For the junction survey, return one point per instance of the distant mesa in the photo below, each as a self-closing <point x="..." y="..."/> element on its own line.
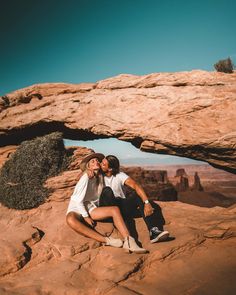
<point x="181" y="181"/>
<point x="159" y="187"/>
<point x="181" y="172"/>
<point x="155" y="183"/>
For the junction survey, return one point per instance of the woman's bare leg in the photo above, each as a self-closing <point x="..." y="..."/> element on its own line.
<point x="79" y="227"/>
<point x="114" y="212"/>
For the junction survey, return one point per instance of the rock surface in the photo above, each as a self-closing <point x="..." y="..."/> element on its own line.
<point x="41" y="255"/>
<point x="5" y="153"/>
<point x="190" y="114"/>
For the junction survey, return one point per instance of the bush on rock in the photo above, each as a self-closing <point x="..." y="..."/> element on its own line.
<point x="224" y="65"/>
<point x="23" y="175"/>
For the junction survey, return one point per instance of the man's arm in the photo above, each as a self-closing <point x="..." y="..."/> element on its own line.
<point x="148" y="210"/>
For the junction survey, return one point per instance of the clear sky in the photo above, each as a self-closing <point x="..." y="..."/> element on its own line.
<point x="128" y="154"/>
<point x="78" y="41"/>
<point x="88" y="40"/>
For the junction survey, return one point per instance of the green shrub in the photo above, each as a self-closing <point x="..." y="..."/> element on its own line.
<point x="23" y="175"/>
<point x="224" y="65"/>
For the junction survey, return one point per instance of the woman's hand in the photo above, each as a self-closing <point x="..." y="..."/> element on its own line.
<point x="148" y="210"/>
<point x="90" y="221"/>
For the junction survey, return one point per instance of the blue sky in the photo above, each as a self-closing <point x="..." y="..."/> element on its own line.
<point x="78" y="41"/>
<point x="128" y="154"/>
<point x="85" y="41"/>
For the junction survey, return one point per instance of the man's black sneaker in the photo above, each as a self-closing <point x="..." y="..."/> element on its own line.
<point x="157" y="235"/>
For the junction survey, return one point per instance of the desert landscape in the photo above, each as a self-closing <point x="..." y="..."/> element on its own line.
<point x="152" y="83"/>
<point x="41" y="255"/>
<point x="215" y="187"/>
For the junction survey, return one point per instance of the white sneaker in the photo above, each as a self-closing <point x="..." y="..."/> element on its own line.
<point x="131" y="246"/>
<point x="157" y="235"/>
<point x="113" y="242"/>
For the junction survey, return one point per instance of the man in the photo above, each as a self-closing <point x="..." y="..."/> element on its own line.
<point x="116" y="180"/>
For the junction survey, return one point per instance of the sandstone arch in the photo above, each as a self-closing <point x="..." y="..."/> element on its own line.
<point x="190" y="114"/>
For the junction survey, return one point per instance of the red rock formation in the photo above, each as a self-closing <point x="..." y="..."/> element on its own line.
<point x="78" y="154"/>
<point x="181" y="180"/>
<point x="181" y="172"/>
<point x="5" y="153"/>
<point x="197" y="183"/>
<point x="190" y="114"/>
<point x="182" y="184"/>
<point x="40" y="254"/>
<point x="154" y="182"/>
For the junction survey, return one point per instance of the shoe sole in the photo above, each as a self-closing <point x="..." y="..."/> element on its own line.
<point x="115" y="246"/>
<point x="162" y="237"/>
<point x="137" y="251"/>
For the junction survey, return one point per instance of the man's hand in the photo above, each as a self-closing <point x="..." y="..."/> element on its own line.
<point x="90" y="221"/>
<point x="148" y="210"/>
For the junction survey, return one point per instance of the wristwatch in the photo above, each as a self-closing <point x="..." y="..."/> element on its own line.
<point x="146" y="202"/>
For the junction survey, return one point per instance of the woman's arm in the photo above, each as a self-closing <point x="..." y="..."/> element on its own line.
<point x="79" y="194"/>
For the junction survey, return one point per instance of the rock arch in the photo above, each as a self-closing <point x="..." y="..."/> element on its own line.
<point x="190" y="114"/>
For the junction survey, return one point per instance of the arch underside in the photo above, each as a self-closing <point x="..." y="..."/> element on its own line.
<point x="217" y="157"/>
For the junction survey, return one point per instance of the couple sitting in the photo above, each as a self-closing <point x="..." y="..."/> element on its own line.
<point x="99" y="195"/>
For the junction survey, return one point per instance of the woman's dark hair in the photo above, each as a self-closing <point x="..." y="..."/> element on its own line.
<point x="114" y="164"/>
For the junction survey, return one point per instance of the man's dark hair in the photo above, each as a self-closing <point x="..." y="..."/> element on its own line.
<point x="114" y="164"/>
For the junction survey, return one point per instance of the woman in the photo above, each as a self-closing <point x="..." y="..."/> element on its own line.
<point x="84" y="206"/>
